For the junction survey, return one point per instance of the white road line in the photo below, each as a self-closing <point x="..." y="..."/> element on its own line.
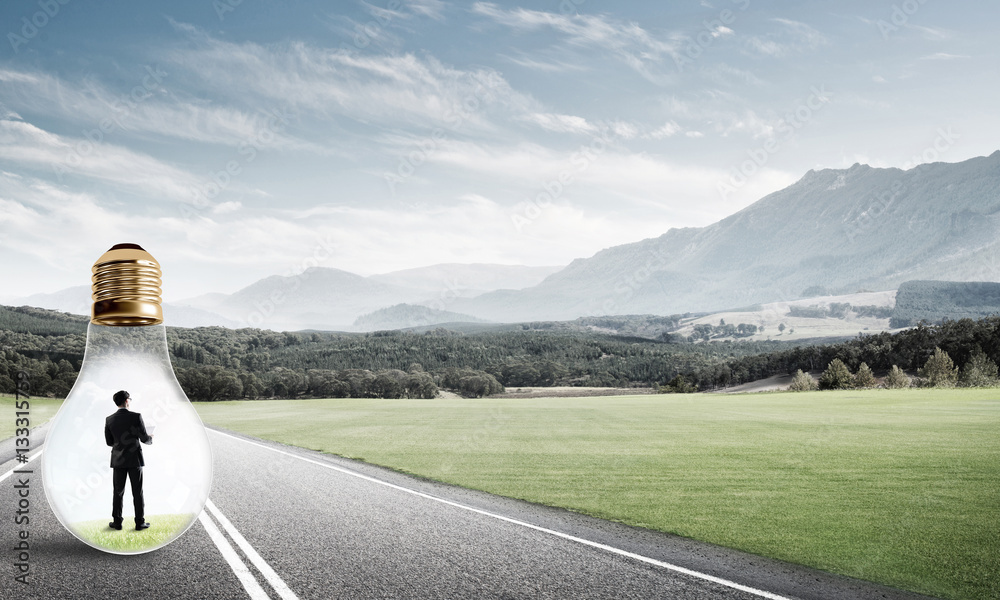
<point x="566" y="536"/>
<point x="241" y="571"/>
<point x="20" y="465"/>
<point x="265" y="569"/>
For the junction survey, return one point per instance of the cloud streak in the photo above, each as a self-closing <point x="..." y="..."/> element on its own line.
<point x="628" y="42"/>
<point x="390" y="89"/>
<point x="59" y="156"/>
<point x="792" y="37"/>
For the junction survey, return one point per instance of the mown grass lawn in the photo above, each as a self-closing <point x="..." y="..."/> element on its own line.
<point x="900" y="487"/>
<point x="40" y="409"/>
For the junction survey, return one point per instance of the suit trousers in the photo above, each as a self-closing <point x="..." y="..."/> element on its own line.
<point x="134" y="475"/>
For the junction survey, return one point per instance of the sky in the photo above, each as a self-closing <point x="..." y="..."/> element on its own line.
<point x="237" y="139"/>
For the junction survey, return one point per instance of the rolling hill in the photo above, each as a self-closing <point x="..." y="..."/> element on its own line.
<point x="403" y="316"/>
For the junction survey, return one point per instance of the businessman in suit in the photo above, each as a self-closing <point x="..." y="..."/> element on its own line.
<point x="123" y="431"/>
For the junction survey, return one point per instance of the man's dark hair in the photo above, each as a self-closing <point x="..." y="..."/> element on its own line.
<point x="121" y="397"/>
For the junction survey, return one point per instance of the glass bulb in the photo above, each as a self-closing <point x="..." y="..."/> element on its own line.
<point x="126" y="350"/>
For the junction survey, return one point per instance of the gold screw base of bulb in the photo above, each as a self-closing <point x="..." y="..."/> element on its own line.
<point x="126" y="288"/>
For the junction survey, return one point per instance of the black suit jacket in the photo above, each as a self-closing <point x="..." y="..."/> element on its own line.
<point x="123" y="431"/>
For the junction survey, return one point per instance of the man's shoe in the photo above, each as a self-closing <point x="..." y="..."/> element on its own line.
<point x="141" y="526"/>
<point x="114" y="525"/>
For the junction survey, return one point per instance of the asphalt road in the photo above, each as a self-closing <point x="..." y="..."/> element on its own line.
<point x="289" y="523"/>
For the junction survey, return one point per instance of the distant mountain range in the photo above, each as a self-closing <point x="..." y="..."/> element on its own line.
<point x="844" y="230"/>
<point x="323" y="298"/>
<point x="837" y="230"/>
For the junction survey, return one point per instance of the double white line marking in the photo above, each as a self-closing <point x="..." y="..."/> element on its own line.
<point x="240" y="569"/>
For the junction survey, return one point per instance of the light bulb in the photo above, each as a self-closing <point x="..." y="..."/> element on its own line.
<point x="126" y="350"/>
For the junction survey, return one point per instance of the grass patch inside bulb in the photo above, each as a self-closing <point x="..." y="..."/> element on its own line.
<point x="129" y="541"/>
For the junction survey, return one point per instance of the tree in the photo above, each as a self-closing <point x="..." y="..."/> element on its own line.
<point x="359" y="382"/>
<point x="836" y="377"/>
<point x="519" y="374"/>
<point x="251" y="385"/>
<point x="549" y="372"/>
<point x="980" y="371"/>
<point x="420" y="385"/>
<point x="802" y="382"/>
<point x="864" y="378"/>
<point x="678" y="385"/>
<point x="940" y="370"/>
<point x="390" y="383"/>
<point x="896" y="378"/>
<point x="839" y="310"/>
<point x="781" y="327"/>
<point x="479" y="385"/>
<point x="210" y="383"/>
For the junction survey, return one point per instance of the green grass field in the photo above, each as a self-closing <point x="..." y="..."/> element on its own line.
<point x="128" y="540"/>
<point x="41" y="409"/>
<point x="900" y="487"/>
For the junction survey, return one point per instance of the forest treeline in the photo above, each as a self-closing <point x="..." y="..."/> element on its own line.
<point x="963" y="340"/>
<point x="840" y="310"/>
<point x="214" y="363"/>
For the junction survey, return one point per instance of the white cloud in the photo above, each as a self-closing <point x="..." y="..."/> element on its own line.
<point x="561" y="123"/>
<point x="392" y="90"/>
<point x="931" y="33"/>
<point x="624" y="129"/>
<point x="668" y="129"/>
<point x="694" y="134"/>
<point x="227" y="207"/>
<point x="944" y="56"/>
<point x="803" y="34"/>
<point x="682" y="195"/>
<point x="553" y="66"/>
<point x="427" y="8"/>
<point x="57" y="232"/>
<point x="748" y="122"/>
<point x="766" y="46"/>
<point x="627" y="41"/>
<point x="724" y="74"/>
<point x="793" y="37"/>
<point x="8" y="76"/>
<point x="145" y="107"/>
<point x="475" y="228"/>
<point x="30" y="146"/>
